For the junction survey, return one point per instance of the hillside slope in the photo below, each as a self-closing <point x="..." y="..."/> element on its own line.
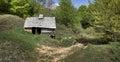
<point x="9" y="22"/>
<point x="16" y="45"/>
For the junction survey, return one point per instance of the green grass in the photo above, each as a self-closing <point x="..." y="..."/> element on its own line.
<point x="21" y="45"/>
<point x="17" y="47"/>
<point x="96" y="53"/>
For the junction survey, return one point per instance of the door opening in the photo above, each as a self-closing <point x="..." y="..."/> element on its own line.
<point x="38" y="30"/>
<point x="33" y="30"/>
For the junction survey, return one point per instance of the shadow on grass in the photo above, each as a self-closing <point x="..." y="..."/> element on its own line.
<point x="93" y="41"/>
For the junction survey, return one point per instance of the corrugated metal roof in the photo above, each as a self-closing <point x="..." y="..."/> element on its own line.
<point x="46" y="22"/>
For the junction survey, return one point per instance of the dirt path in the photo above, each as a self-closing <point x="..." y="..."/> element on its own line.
<point x="54" y="54"/>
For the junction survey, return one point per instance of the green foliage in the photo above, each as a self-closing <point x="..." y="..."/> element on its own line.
<point x="35" y="7"/>
<point x="4" y="6"/>
<point x="20" y="8"/>
<point x="66" y="12"/>
<point x="106" y="14"/>
<point x="84" y="16"/>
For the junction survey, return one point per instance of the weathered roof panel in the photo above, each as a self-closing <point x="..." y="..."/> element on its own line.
<point x="46" y="22"/>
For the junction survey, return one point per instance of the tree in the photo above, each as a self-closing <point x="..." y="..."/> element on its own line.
<point x="5" y="6"/>
<point x="66" y="12"/>
<point x="84" y="16"/>
<point x="25" y="8"/>
<point x="107" y="18"/>
<point x="20" y="8"/>
<point x="36" y="7"/>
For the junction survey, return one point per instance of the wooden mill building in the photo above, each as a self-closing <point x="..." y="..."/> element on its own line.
<point x="40" y="25"/>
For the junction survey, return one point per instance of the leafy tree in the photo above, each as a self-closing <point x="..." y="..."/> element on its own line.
<point x="107" y="18"/>
<point x="35" y="7"/>
<point x="84" y="16"/>
<point x="66" y="12"/>
<point x="24" y="8"/>
<point x="5" y="5"/>
<point x="20" y="8"/>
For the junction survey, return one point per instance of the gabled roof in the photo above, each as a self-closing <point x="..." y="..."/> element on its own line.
<point x="46" y="22"/>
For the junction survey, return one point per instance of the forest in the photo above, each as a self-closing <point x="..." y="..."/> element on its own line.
<point x="96" y="28"/>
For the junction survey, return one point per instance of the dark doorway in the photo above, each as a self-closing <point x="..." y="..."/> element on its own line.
<point x="33" y="30"/>
<point x="38" y="30"/>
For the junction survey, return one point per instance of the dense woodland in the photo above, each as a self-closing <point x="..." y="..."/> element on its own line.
<point x="98" y="24"/>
